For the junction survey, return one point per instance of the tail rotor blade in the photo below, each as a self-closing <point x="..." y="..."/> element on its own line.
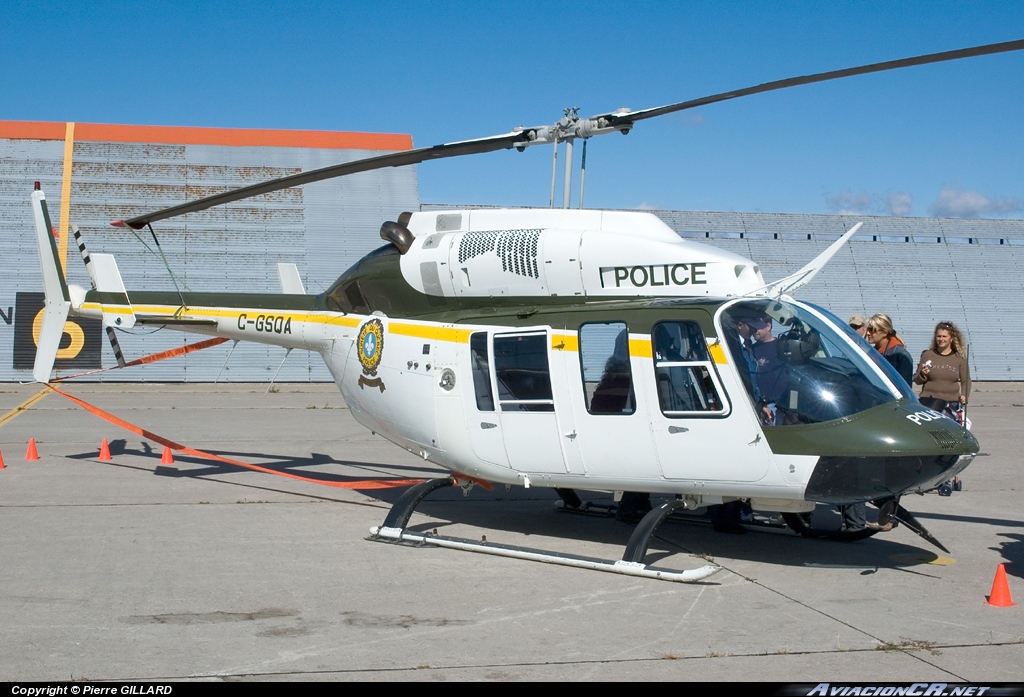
<point x="112" y="338"/>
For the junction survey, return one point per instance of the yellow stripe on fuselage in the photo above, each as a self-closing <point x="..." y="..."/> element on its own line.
<point x="717" y="354"/>
<point x="641" y="348"/>
<point x="565" y="342"/>
<point x="639" y="345"/>
<point x="434" y="332"/>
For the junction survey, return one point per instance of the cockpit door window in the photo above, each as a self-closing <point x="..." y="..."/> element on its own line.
<point x="685" y="375"/>
<point x="521" y="372"/>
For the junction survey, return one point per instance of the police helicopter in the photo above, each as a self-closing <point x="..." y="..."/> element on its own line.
<point x="576" y="350"/>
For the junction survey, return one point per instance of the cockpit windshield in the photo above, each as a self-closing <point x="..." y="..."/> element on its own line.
<point x="796" y="367"/>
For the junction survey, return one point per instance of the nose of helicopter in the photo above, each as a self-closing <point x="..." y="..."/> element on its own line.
<point x="887" y="451"/>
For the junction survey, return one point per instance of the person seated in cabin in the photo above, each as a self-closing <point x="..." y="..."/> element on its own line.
<point x="680" y="389"/>
<point x="614" y="393"/>
<point x="772" y="378"/>
<point x="741" y="345"/>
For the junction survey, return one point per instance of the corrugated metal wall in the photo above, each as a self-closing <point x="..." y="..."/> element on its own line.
<point x="919" y="271"/>
<point x="323" y="228"/>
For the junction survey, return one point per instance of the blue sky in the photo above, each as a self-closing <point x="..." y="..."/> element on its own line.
<point x="932" y="140"/>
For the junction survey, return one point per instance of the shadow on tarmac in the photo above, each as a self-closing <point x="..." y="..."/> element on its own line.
<point x="532" y="512"/>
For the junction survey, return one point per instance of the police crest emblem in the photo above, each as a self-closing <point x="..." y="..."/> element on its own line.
<point x="370" y="345"/>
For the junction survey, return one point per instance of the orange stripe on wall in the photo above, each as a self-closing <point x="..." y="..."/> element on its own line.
<point x="32" y="130"/>
<point x="191" y="135"/>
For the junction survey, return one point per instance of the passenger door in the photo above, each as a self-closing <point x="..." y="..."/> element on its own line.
<point x="484" y="422"/>
<point x="526" y="404"/>
<point x="609" y="412"/>
<point x="698" y="434"/>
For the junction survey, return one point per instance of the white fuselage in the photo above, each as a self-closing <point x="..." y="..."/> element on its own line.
<point x="420" y="392"/>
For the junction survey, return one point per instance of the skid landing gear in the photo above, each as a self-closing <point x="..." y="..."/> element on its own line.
<point x="631" y="564"/>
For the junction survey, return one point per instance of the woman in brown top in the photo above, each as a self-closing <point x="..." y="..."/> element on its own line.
<point x="943" y="370"/>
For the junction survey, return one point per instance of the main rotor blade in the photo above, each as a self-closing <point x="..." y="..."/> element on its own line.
<point x="397" y="159"/>
<point x="988" y="49"/>
<point x="521" y="138"/>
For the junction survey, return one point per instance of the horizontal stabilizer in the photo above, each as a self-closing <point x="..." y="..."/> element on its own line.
<point x="117" y="309"/>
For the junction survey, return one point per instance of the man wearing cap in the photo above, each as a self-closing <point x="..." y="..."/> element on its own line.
<point x="772" y="380"/>
<point x="859" y="324"/>
<point x="746" y="348"/>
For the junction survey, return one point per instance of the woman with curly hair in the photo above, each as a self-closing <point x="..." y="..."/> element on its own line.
<point x="883" y="337"/>
<point x="943" y="369"/>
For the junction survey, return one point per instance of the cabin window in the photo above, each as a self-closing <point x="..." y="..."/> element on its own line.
<point x="685" y="375"/>
<point x="604" y="361"/>
<point x="521" y="372"/>
<point x="348" y="298"/>
<point x="481" y="371"/>
<point x="798" y="369"/>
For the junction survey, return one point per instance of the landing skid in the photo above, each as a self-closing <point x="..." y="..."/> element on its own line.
<point x="631" y="564"/>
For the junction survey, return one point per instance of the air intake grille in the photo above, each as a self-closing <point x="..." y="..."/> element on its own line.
<point x="945" y="440"/>
<point x="517" y="249"/>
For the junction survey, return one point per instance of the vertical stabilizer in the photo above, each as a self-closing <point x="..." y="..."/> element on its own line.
<point x="58" y="299"/>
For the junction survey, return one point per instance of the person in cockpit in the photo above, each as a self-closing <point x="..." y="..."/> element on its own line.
<point x="772" y="378"/>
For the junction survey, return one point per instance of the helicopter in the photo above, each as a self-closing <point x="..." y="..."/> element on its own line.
<point x="574" y="350"/>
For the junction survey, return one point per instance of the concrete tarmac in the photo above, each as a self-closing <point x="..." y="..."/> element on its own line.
<point x="126" y="570"/>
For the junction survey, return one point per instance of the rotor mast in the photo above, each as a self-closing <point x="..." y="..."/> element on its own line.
<point x="567" y="130"/>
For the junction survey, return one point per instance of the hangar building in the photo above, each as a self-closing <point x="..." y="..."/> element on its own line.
<point x="111" y="172"/>
<point x="918" y="270"/>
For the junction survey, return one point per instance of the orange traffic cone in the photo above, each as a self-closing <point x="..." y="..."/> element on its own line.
<point x="1" y="461"/>
<point x="31" y="453"/>
<point x="1000" y="596"/>
<point x="105" y="451"/>
<point x="168" y="458"/>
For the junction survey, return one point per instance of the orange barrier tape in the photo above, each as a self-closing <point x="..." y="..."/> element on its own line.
<point x="121" y="423"/>
<point x="180" y="351"/>
<point x="154" y="357"/>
